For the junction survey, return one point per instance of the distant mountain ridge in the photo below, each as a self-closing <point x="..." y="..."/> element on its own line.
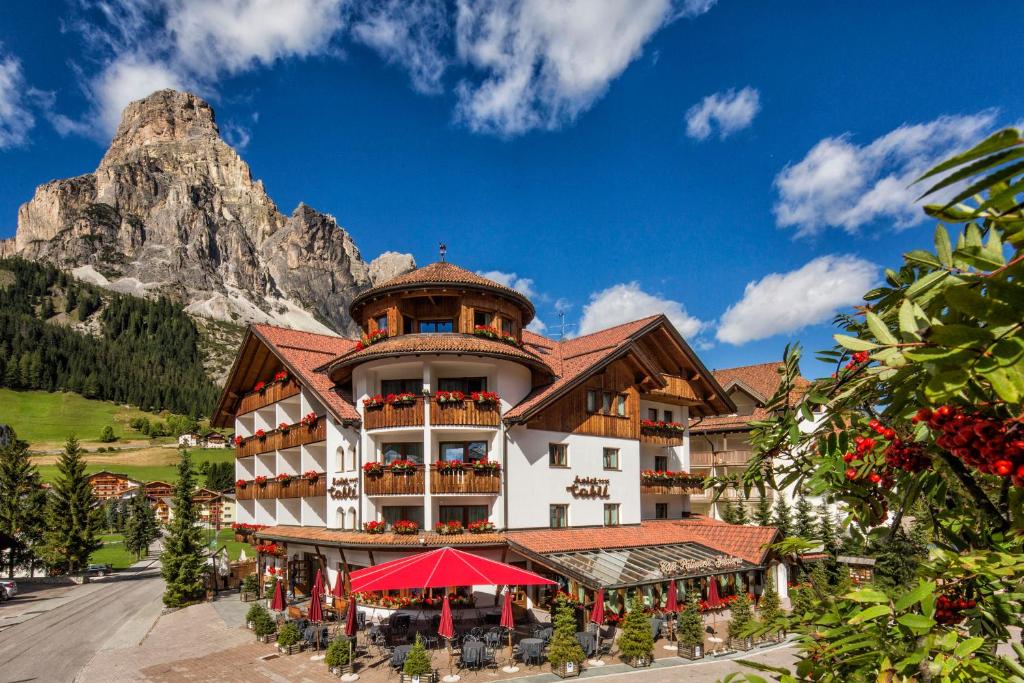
<point x="173" y="210"/>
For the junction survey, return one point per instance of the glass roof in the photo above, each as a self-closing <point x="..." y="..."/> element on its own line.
<point x="621" y="567"/>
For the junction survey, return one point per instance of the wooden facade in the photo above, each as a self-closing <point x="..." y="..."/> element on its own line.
<point x="466" y="482"/>
<point x="660" y="437"/>
<point x="721" y="458"/>
<point x="390" y="483"/>
<point x="570" y="414"/>
<point x="386" y="416"/>
<point x="296" y="488"/>
<point x="650" y="487"/>
<point x="404" y="310"/>
<point x="278" y="391"/>
<point x="106" y="485"/>
<point x="276" y="439"/>
<point x="468" y="414"/>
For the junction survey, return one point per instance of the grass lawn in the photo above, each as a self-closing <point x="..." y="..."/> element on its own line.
<point x="226" y="537"/>
<point x="113" y="552"/>
<point x="167" y="471"/>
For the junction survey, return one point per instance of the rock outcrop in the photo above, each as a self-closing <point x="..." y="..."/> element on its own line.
<point x="173" y="209"/>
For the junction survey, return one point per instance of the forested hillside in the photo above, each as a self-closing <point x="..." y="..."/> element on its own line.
<point x="59" y="333"/>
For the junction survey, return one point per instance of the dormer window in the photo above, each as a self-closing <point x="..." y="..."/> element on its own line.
<point x="435" y="326"/>
<point x="382" y="322"/>
<point x="483" y="318"/>
<point x="506" y="327"/>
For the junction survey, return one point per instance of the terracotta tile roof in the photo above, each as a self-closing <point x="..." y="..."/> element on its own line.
<point x="745" y="542"/>
<point x="761" y="381"/>
<point x="306" y="351"/>
<point x="321" y="535"/>
<point x="441" y="343"/>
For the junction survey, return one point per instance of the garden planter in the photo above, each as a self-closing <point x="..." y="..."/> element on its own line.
<point x="421" y="678"/>
<point x="690" y="651"/>
<point x="290" y="649"/>
<point x="248" y="596"/>
<point x="269" y="638"/>
<point x="743" y="644"/>
<point x="344" y="669"/>
<point x="566" y="670"/>
<point x="639" y="662"/>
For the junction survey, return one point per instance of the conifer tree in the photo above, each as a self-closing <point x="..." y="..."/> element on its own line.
<point x="689" y="626"/>
<point x="417" y="661"/>
<point x="770" y="608"/>
<point x="741" y="615"/>
<point x="563" y="647"/>
<point x="782" y="519"/>
<point x="183" y="567"/>
<point x="819" y="582"/>
<point x="636" y="640"/>
<point x="141" y="528"/>
<point x="21" y="498"/>
<point x="73" y="521"/>
<point x="804" y="526"/>
<point x="763" y="512"/>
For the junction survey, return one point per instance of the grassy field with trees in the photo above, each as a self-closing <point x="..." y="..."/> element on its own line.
<point x="167" y="470"/>
<point x="43" y="417"/>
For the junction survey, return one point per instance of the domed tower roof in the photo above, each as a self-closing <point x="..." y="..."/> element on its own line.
<point x="442" y="275"/>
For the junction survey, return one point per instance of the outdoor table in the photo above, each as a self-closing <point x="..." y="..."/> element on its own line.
<point x="587" y="641"/>
<point x="473" y="654"/>
<point x="399" y="655"/>
<point x="532" y="650"/>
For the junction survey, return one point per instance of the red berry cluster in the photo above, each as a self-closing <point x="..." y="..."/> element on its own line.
<point x="863" y="446"/>
<point x="990" y="445"/>
<point x="949" y="608"/>
<point x="858" y="358"/>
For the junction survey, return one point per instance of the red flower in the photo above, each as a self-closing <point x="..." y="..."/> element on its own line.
<point x="260" y="434"/>
<point x="310" y="475"/>
<point x="260" y="480"/>
<point x="240" y="484"/>
<point x="281" y="376"/>
<point x="284" y="426"/>
<point x="258" y="387"/>
<point x="238" y="440"/>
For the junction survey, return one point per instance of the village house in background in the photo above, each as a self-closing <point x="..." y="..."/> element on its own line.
<point x="189" y="440"/>
<point x="450" y="423"/>
<point x="106" y="485"/>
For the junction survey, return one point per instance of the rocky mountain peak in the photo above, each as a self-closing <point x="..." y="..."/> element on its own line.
<point x="166" y="116"/>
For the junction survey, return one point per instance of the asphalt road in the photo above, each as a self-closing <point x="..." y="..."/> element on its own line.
<point x="56" y="644"/>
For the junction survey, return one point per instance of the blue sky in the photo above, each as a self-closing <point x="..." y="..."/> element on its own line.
<point x="740" y="165"/>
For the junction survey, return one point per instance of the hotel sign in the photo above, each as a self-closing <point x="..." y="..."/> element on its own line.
<point x="677" y="567"/>
<point x="589" y="487"/>
<point x="342" y="488"/>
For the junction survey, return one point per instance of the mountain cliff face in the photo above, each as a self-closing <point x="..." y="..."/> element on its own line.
<point x="173" y="209"/>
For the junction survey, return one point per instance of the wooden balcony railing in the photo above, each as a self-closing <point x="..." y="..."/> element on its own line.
<point x="679" y="486"/>
<point x="721" y="458"/>
<point x="388" y="415"/>
<point x="467" y="481"/>
<point x="277" y="439"/>
<point x="296" y="488"/>
<point x="660" y="437"/>
<point x="277" y="391"/>
<point x="465" y="414"/>
<point x="389" y="483"/>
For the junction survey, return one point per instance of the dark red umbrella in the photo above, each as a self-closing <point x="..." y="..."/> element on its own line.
<point x="672" y="605"/>
<point x="507" y="620"/>
<point x="316" y="612"/>
<point x="339" y="587"/>
<point x="714" y="601"/>
<point x="350" y="618"/>
<point x="446" y="629"/>
<point x="597" y="614"/>
<point x="277" y="604"/>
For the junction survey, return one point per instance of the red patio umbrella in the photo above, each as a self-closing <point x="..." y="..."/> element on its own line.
<point x="350" y="618"/>
<point x="446" y="629"/>
<point x="714" y="601"/>
<point x="316" y="612"/>
<point x="277" y="604"/>
<point x="672" y="604"/>
<point x="508" y="621"/>
<point x="597" y="613"/>
<point x="339" y="587"/>
<point x="439" y="569"/>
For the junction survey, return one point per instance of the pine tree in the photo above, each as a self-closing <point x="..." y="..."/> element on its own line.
<point x="740" y="515"/>
<point x="804" y="519"/>
<point x="141" y="528"/>
<point x="819" y="582"/>
<point x="183" y="567"/>
<point x="897" y="559"/>
<point x="563" y="647"/>
<point x="21" y="497"/>
<point x="801" y="599"/>
<point x="770" y="608"/>
<point x="636" y="640"/>
<point x="73" y="520"/>
<point x="741" y="615"/>
<point x="782" y="519"/>
<point x="827" y="530"/>
<point x="417" y="661"/>
<point x="689" y="626"/>
<point x="220" y="476"/>
<point x="763" y="512"/>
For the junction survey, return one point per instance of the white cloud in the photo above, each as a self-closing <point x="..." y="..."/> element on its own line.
<point x="236" y="135"/>
<point x="841" y="184"/>
<point x="537" y="325"/>
<point x="523" y="285"/>
<point x="730" y="111"/>
<point x="16" y="119"/>
<point x="785" y="302"/>
<point x="546" y="62"/>
<point x="626" y="302"/>
<point x="409" y="33"/>
<point x="125" y="80"/>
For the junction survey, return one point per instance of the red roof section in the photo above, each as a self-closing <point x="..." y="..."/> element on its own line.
<point x="763" y="379"/>
<point x="441" y="343"/>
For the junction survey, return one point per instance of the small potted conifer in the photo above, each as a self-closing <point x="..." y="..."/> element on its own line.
<point x="417" y="668"/>
<point x="564" y="652"/>
<point x="740" y="623"/>
<point x="770" y="611"/>
<point x="252" y="614"/>
<point x="250" y="588"/>
<point x="690" y="630"/>
<point x="289" y="640"/>
<point x="263" y="624"/>
<point x="636" y="642"/>
<point x="338" y="657"/>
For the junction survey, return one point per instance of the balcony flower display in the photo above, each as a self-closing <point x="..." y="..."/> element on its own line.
<point x="270" y="549"/>
<point x="403" y="467"/>
<point x="284" y="478"/>
<point x="485" y="398"/>
<point x="260" y="480"/>
<point x="481" y="526"/>
<point x="406" y="398"/>
<point x="374" y="401"/>
<point x="373" y="469"/>
<point x="662" y="426"/>
<point x="311" y="475"/>
<point x="449" y="397"/>
<point x="452" y="528"/>
<point x="260" y="434"/>
<point x="284" y="427"/>
<point x="375" y="527"/>
<point x="449" y="466"/>
<point x="239" y="440"/>
<point x="405" y="527"/>
<point x="241" y="484"/>
<point x="371" y="339"/>
<point x="259" y="387"/>
<point x="245" y="529"/>
<point x="309" y="420"/>
<point x="491" y="333"/>
<point x="668" y="477"/>
<point x="281" y="376"/>
<point x="486" y="466"/>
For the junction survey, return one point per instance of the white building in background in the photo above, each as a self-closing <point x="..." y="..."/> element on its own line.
<point x="450" y="424"/>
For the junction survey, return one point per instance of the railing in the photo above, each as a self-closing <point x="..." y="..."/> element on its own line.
<point x="277" y="439"/>
<point x="390" y="415"/>
<point x="720" y="458"/>
<point x="389" y="483"/>
<point x="278" y="391"/>
<point x="465" y="481"/>
<point x="687" y="486"/>
<point x="660" y="437"/>
<point x="465" y="414"/>
<point x="729" y="494"/>
<point x="298" y="487"/>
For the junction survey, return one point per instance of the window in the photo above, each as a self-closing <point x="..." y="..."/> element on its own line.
<point x="401" y="386"/>
<point x="661" y="463"/>
<point x="408" y="325"/>
<point x="559" y="516"/>
<point x="620" y="406"/>
<point x="464" y="451"/>
<point x="591" y="401"/>
<point x="432" y="326"/>
<point x="382" y="322"/>
<point x="611" y="514"/>
<point x="403" y="451"/>
<point x="652" y="414"/>
<point x="482" y="318"/>
<point x="394" y="513"/>
<point x="668" y="416"/>
<point x="611" y="458"/>
<point x="466" y="385"/>
<point x="462" y="513"/>
<point x="606" y="403"/>
<point x="506" y="326"/>
<point x="558" y="455"/>
<point x="661" y="510"/>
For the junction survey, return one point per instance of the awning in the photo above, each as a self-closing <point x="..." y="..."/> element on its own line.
<point x="623" y="567"/>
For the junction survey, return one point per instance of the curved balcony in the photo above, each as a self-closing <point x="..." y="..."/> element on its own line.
<point x="279" y="439"/>
<point x="390" y="483"/>
<point x="467" y="481"/>
<point x="298" y="487"/>
<point x="392" y="415"/>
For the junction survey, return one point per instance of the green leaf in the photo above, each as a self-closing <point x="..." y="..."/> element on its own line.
<point x="1007" y="382"/>
<point x="872" y="612"/>
<point x="988" y="181"/>
<point x="968" y="646"/>
<point x="959" y="335"/>
<point x="907" y="599"/>
<point x="908" y="323"/>
<point x="854" y="343"/>
<point x="918" y="623"/>
<point x="993" y="143"/>
<point x="867" y="595"/>
<point x="879" y="329"/>
<point x="926" y="283"/>
<point x="976" y="168"/>
<point x="970" y="302"/>
<point x="943" y="247"/>
<point x="923" y="257"/>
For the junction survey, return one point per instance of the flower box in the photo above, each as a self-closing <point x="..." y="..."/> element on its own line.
<point x="405" y="528"/>
<point x="743" y="644"/>
<point x="308" y="420"/>
<point x="402" y="467"/>
<point x="486" y="467"/>
<point x="419" y="678"/>
<point x="567" y="669"/>
<point x="375" y="527"/>
<point x="450" y="397"/>
<point x="374" y="402"/>
<point x="403" y="399"/>
<point x="639" y="662"/>
<point x="260" y="480"/>
<point x="485" y="398"/>
<point x="269" y="638"/>
<point x="373" y="469"/>
<point x="291" y="649"/>
<point x="241" y="483"/>
<point x="284" y="479"/>
<point x="260" y="434"/>
<point x="311" y="475"/>
<point x="690" y="651"/>
<point x="492" y="333"/>
<point x="259" y="387"/>
<point x="248" y="596"/>
<point x="481" y="526"/>
<point x="452" y="528"/>
<point x="449" y="466"/>
<point x="664" y="427"/>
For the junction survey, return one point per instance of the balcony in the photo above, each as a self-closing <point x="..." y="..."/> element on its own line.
<point x="467" y="481"/>
<point x="394" y="415"/>
<point x="660" y="436"/>
<point x="279" y="439"/>
<point x="296" y="488"/>
<point x="681" y="484"/>
<point x="720" y="458"/>
<point x="388" y="483"/>
<point x="278" y="391"/>
<point x="465" y="414"/>
<point x="731" y="494"/>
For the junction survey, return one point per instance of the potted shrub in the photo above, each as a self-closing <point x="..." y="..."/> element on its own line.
<point x="252" y="614"/>
<point x="770" y="611"/>
<point x="338" y="657"/>
<point x="636" y="644"/>
<point x="263" y="625"/>
<point x="417" y="667"/>
<point x="740" y="623"/>
<point x="250" y="588"/>
<point x="564" y="653"/>
<point x="690" y="630"/>
<point x="289" y="640"/>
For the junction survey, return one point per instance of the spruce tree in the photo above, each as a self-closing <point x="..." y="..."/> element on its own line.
<point x="770" y="608"/>
<point x="782" y="518"/>
<point x="183" y="566"/>
<point x="141" y="528"/>
<point x="763" y="512"/>
<point x="819" y="582"/>
<point x="741" y="615"/>
<point x="804" y="520"/>
<point x="21" y="498"/>
<point x="417" y="661"/>
<point x="740" y="515"/>
<point x="563" y="647"/>
<point x="73" y="521"/>
<point x="689" y="626"/>
<point x="636" y="640"/>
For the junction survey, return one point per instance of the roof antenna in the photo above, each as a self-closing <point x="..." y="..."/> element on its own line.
<point x="443" y="249"/>
<point x="562" y="325"/>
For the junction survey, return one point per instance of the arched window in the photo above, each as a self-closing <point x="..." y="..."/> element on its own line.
<point x="352" y="523"/>
<point x="352" y="458"/>
<point x="339" y="519"/>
